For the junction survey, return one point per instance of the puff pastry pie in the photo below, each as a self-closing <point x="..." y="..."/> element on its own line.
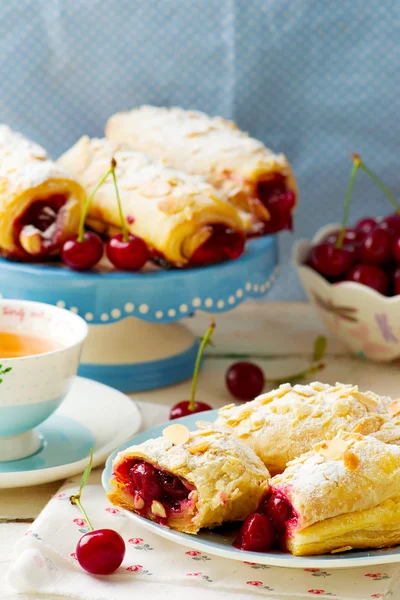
<point x="182" y="219"/>
<point x="187" y="481"/>
<point x="343" y="494"/>
<point x="282" y="424"/>
<point x="40" y="203"/>
<point x="247" y="173"/>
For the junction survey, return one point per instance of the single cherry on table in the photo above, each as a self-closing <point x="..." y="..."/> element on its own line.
<point x="101" y="551"/>
<point x="245" y="380"/>
<point x="192" y="406"/>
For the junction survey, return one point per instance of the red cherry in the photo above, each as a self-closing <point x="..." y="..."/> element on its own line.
<point x="83" y="255"/>
<point x="279" y="201"/>
<point x="256" y="534"/>
<point x="145" y="481"/>
<point x="393" y="222"/>
<point x="371" y="276"/>
<point x="100" y="552"/>
<point x="352" y="237"/>
<point x="332" y="261"/>
<point x="396" y="278"/>
<point x="376" y="249"/>
<point x="172" y="487"/>
<point x="366" y="225"/>
<point x="279" y="511"/>
<point x="223" y="244"/>
<point x="245" y="380"/>
<point x="396" y="250"/>
<point x="129" y="255"/>
<point x="182" y="409"/>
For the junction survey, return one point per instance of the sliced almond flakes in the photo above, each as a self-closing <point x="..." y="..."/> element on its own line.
<point x="199" y="448"/>
<point x="332" y="450"/>
<point x="176" y="434"/>
<point x="394" y="407"/>
<point x="351" y="461"/>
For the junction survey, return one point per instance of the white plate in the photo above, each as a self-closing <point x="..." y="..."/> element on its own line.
<point x="221" y="545"/>
<point x="93" y="415"/>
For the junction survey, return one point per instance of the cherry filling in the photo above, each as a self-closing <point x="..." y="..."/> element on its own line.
<point x="156" y="494"/>
<point x="279" y="201"/>
<point x="267" y="527"/>
<point x="39" y="230"/>
<point x="223" y="244"/>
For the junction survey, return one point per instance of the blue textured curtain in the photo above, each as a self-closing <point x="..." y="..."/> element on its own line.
<point x="314" y="79"/>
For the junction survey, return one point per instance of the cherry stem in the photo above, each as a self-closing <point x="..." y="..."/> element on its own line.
<point x="349" y="193"/>
<point x="77" y="500"/>
<point x="381" y="185"/>
<point x="121" y="216"/>
<point x="81" y="231"/>
<point x="300" y="375"/>
<point x="203" y="344"/>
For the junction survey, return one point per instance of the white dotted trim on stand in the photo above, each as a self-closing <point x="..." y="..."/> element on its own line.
<point x="184" y="309"/>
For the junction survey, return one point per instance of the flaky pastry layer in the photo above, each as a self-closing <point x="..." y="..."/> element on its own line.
<point x="213" y="147"/>
<point x="284" y="423"/>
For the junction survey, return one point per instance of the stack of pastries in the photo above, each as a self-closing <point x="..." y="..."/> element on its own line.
<point x="333" y="451"/>
<point x="192" y="187"/>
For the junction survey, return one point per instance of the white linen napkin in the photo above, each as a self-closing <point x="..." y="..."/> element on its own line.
<point x="45" y="564"/>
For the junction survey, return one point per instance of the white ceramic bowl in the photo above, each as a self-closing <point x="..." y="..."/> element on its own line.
<point x="36" y="385"/>
<point x="365" y="320"/>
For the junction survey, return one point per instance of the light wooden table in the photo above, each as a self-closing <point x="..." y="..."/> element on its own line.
<point x="279" y="337"/>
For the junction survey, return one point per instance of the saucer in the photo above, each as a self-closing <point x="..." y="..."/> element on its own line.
<point x="93" y="415"/>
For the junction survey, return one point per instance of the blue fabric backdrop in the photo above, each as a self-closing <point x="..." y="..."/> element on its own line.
<point x="313" y="79"/>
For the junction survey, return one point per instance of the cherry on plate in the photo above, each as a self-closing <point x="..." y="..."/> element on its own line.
<point x="182" y="409"/>
<point x="256" y="534"/>
<point x="83" y="255"/>
<point x="371" y="276"/>
<point x="366" y="225"/>
<point x="127" y="255"/>
<point x="101" y="552"/>
<point x="279" y="511"/>
<point x="376" y="249"/>
<point x="245" y="380"/>
<point x="331" y="261"/>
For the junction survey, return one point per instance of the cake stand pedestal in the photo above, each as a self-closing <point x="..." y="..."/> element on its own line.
<point x="135" y="342"/>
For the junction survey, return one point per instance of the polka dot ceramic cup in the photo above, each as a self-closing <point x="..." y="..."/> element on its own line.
<point x="33" y="387"/>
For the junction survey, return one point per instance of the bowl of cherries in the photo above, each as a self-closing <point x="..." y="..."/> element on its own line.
<point x="352" y="276"/>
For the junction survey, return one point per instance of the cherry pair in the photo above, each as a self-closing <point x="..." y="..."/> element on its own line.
<point x="125" y="251"/>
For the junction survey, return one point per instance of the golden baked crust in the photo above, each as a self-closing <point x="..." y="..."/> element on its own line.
<point x="170" y="210"/>
<point x="228" y="479"/>
<point x="27" y="175"/>
<point x="213" y="147"/>
<point x="341" y="503"/>
<point x="284" y="423"/>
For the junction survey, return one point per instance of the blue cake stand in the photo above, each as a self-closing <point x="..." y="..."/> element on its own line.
<point x="135" y="342"/>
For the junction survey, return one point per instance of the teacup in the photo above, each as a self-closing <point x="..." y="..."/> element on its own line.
<point x="34" y="385"/>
